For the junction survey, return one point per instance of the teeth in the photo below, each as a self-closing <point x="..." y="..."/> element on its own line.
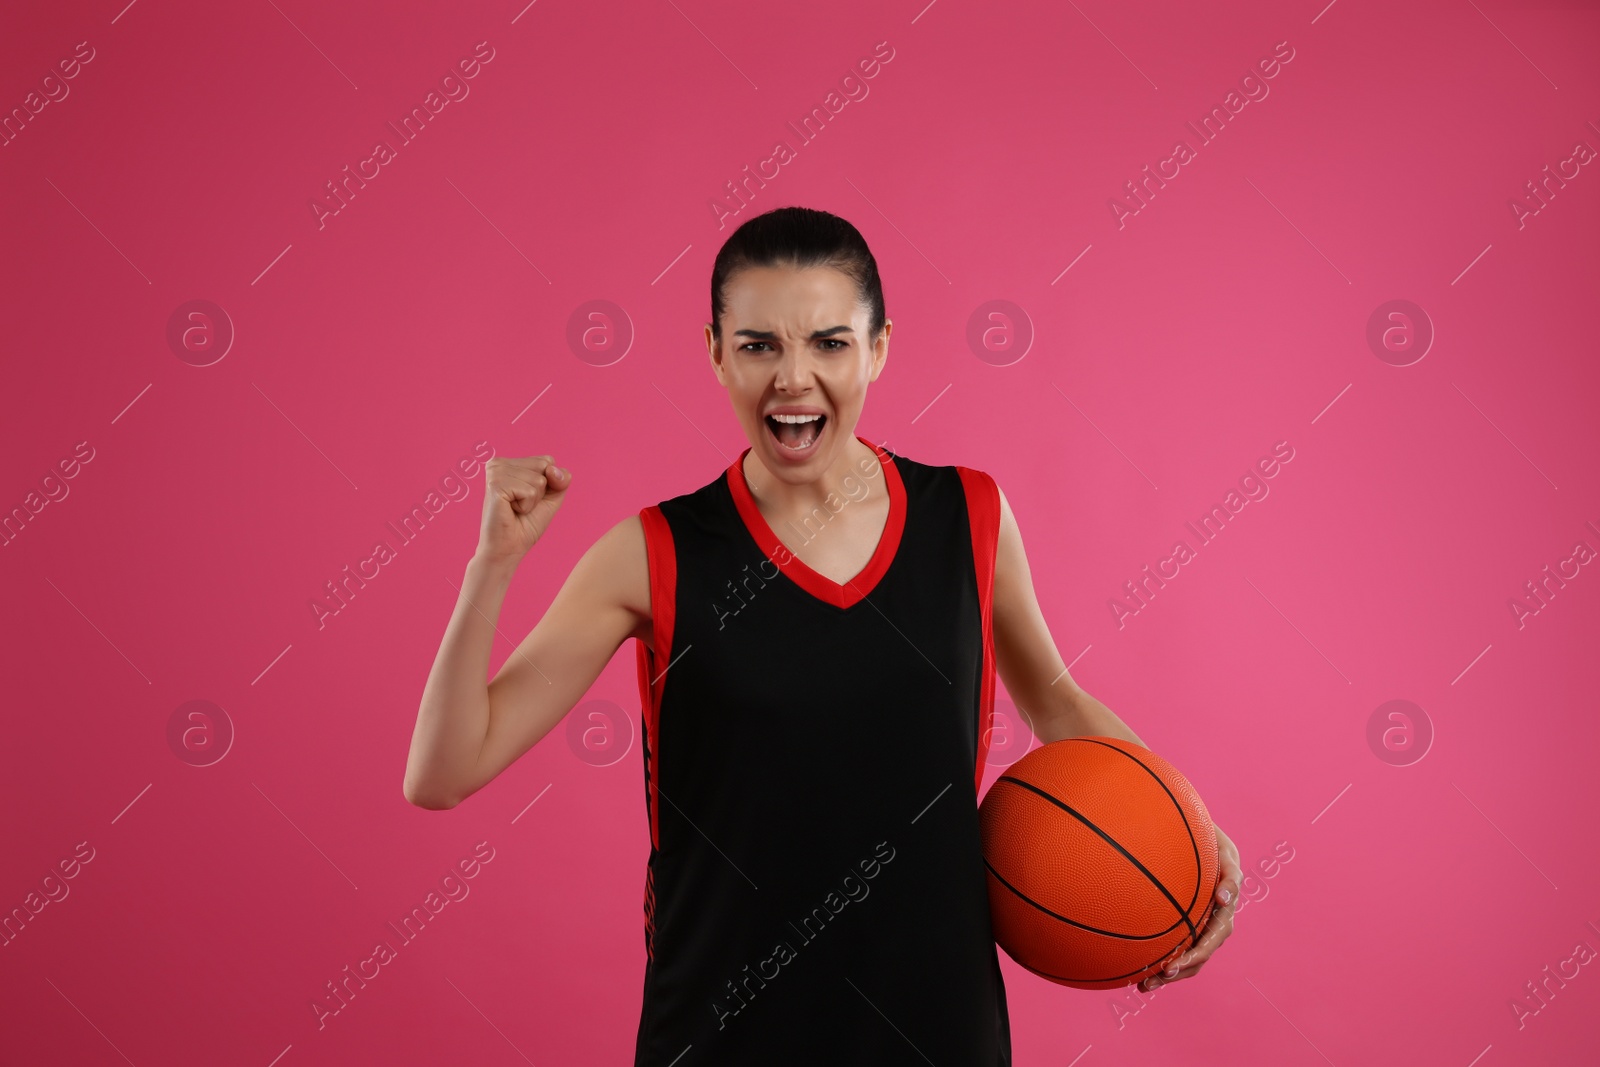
<point x="796" y="419"/>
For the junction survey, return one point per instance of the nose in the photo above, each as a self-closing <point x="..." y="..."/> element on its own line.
<point x="794" y="370"/>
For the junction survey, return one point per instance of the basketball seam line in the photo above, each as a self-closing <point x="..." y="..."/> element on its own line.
<point x="1193" y="844"/>
<point x="1184" y="916"/>
<point x="1020" y="895"/>
<point x="1065" y="978"/>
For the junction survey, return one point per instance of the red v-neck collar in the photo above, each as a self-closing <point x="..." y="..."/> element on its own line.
<point x="819" y="585"/>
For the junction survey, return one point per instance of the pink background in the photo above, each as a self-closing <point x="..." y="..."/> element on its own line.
<point x="432" y="312"/>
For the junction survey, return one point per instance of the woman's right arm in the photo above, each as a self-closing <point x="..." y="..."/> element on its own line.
<point x="468" y="731"/>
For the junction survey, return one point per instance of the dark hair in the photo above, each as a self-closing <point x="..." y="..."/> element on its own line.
<point x="799" y="237"/>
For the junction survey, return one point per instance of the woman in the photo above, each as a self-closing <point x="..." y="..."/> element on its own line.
<point x="818" y="630"/>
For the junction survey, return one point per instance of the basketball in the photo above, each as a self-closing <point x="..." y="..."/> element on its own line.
<point x="1102" y="862"/>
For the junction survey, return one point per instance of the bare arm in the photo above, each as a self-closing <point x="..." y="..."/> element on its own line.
<point x="1026" y="655"/>
<point x="467" y="730"/>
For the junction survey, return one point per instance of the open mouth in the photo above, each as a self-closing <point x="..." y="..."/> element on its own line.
<point x="796" y="433"/>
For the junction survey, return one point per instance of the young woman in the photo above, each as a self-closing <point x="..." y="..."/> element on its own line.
<point x="818" y="633"/>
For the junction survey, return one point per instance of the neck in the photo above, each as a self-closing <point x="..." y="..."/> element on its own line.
<point x="855" y="475"/>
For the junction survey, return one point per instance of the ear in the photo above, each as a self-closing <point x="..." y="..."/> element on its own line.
<point x="714" y="353"/>
<point x="880" y="350"/>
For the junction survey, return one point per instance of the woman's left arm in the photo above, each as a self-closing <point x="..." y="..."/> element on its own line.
<point x="1036" y="678"/>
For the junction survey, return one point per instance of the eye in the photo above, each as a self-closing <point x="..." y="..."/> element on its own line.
<point x="832" y="341"/>
<point x="749" y="344"/>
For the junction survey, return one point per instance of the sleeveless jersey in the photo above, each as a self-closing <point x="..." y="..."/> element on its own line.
<point x="815" y="891"/>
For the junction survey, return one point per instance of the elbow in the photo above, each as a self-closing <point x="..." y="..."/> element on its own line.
<point x="430" y="799"/>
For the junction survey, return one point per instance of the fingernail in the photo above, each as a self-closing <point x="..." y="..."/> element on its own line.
<point x="1226" y="894"/>
<point x="562" y="471"/>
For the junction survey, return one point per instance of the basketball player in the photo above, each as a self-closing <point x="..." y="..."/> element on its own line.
<point x="818" y="630"/>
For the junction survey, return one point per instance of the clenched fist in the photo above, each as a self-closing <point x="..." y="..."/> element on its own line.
<point x="520" y="498"/>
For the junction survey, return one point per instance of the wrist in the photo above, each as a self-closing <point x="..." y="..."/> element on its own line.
<point x="492" y="568"/>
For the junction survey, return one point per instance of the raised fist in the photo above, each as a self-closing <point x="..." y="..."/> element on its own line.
<point x="520" y="498"/>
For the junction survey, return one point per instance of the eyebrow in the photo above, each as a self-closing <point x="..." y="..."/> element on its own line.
<point x="768" y="335"/>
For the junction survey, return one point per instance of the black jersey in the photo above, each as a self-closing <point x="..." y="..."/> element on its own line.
<point x="815" y="892"/>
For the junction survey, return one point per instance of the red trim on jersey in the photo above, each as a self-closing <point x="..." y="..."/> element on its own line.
<point x="983" y="512"/>
<point x="652" y="664"/>
<point x="818" y="585"/>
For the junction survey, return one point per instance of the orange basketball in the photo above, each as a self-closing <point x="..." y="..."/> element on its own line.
<point x="1102" y="862"/>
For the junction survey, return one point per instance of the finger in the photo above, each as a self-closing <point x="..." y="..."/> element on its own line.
<point x="1157" y="981"/>
<point x="543" y="471"/>
<point x="1221" y="918"/>
<point x="1227" y="890"/>
<point x="1188" y="963"/>
<point x="532" y="483"/>
<point x="518" y="467"/>
<point x="1215" y="933"/>
<point x="1176" y="973"/>
<point x="523" y="487"/>
<point x="1231" y="877"/>
<point x="547" y="489"/>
